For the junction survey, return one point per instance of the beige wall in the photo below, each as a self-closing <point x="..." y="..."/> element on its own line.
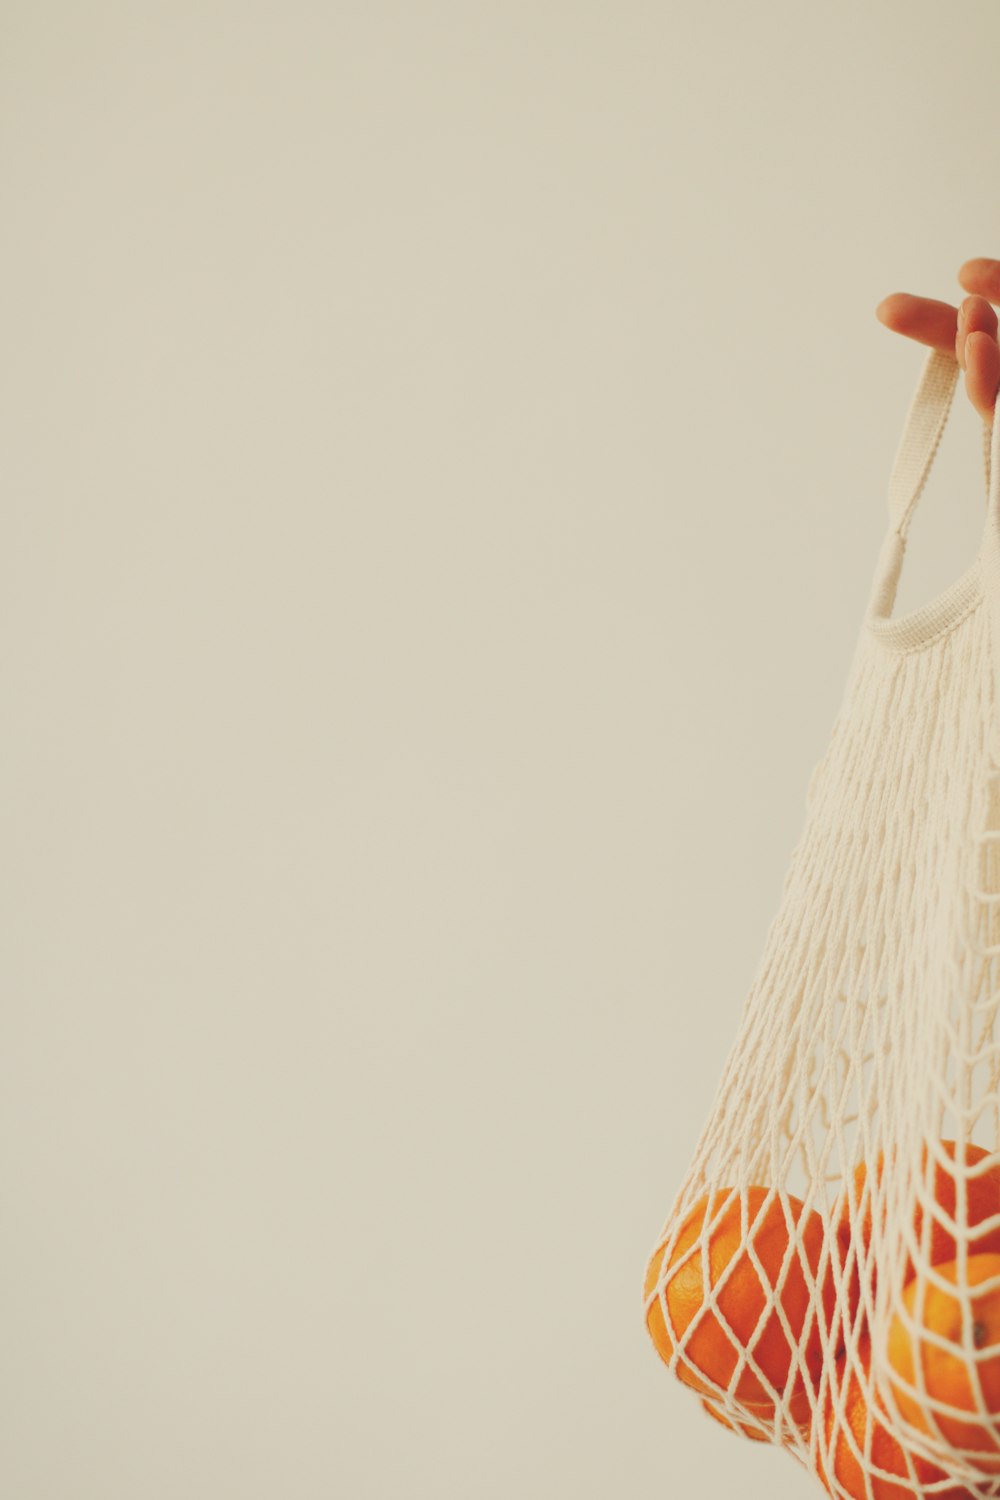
<point x="444" y="452"/>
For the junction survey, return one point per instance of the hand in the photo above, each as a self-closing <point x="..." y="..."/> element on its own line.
<point x="969" y="330"/>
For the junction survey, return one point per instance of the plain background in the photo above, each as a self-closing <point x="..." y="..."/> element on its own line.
<point x="444" y="452"/>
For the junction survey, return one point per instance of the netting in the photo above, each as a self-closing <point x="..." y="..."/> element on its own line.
<point x="828" y="1276"/>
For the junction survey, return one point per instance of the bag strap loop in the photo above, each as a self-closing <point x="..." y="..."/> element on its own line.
<point x="989" y="556"/>
<point x="922" y="429"/>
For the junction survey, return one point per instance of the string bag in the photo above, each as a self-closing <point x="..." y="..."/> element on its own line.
<point x="828" y="1251"/>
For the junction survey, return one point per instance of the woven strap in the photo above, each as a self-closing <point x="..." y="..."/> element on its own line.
<point x="989" y="558"/>
<point x="922" y="430"/>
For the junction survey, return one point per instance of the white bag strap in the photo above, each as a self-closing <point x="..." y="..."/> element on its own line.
<point x="925" y="422"/>
<point x="922" y="430"/>
<point x="989" y="561"/>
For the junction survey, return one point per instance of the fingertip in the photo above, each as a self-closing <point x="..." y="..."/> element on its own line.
<point x="982" y="371"/>
<point x="978" y="263"/>
<point x="977" y="342"/>
<point x="898" y="307"/>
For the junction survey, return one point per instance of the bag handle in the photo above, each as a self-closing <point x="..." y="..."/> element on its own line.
<point x="989" y="562"/>
<point x="922" y="430"/>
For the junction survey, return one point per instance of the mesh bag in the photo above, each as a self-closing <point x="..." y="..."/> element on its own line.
<point x="828" y="1277"/>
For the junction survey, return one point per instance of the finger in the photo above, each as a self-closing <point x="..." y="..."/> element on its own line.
<point x="975" y="315"/>
<point x="982" y="371"/>
<point x="982" y="277"/>
<point x="921" y="318"/>
<point x="978" y="353"/>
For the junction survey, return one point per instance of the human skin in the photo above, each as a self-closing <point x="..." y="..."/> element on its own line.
<point x="968" y="330"/>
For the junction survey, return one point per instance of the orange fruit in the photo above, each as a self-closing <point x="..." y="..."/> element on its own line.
<point x="949" y="1374"/>
<point x="836" y="1455"/>
<point x="710" y="1351"/>
<point x="982" y="1202"/>
<point x="751" y="1432"/>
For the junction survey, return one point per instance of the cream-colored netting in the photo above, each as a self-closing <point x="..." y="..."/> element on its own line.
<point x="826" y="1308"/>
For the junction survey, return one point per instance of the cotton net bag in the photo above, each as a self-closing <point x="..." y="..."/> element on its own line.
<point x="828" y="1277"/>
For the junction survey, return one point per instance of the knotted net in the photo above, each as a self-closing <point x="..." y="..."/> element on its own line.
<point x="828" y="1276"/>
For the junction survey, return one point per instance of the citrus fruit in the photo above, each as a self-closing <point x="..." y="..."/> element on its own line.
<point x="982" y="1202"/>
<point x="751" y="1432"/>
<point x="717" y="1321"/>
<point x="950" y="1372"/>
<point x="894" y="1473"/>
